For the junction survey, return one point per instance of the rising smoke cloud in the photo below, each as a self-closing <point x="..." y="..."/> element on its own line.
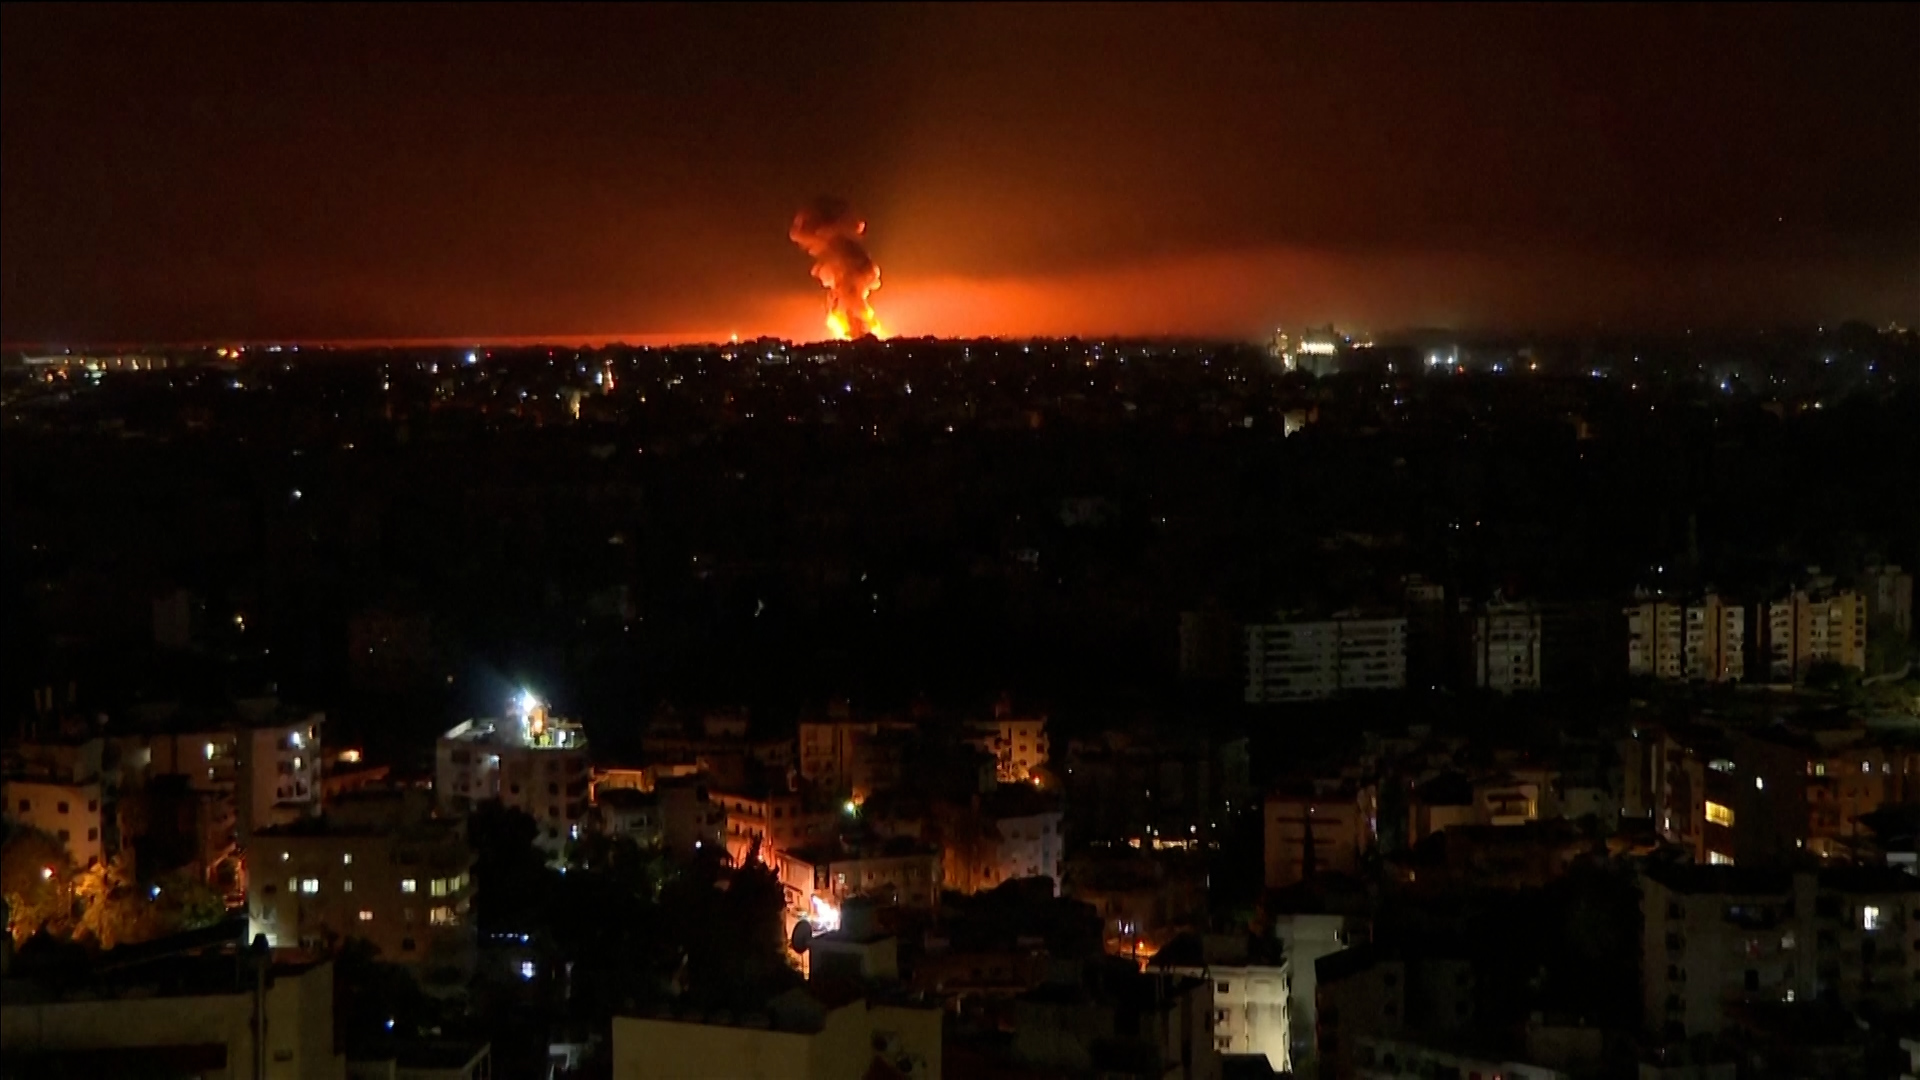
<point x="830" y="234"/>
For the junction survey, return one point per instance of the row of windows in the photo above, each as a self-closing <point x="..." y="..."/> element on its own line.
<point x="93" y="806"/>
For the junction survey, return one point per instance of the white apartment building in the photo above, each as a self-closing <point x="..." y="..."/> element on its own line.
<point x="1310" y="660"/>
<point x="1506" y="648"/>
<point x="527" y="760"/>
<point x="1249" y="998"/>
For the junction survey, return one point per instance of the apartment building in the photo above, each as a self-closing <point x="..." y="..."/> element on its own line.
<point x="379" y="867"/>
<point x="1506" y="647"/>
<point x="1305" y="660"/>
<point x="1719" y="936"/>
<point x="1812" y="626"/>
<point x="527" y="760"/>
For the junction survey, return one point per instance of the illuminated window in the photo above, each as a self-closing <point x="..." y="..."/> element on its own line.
<point x="526" y="969"/>
<point x="365" y="915"/>
<point x="408" y="885"/>
<point x="1714" y="858"/>
<point x="310" y="885"/>
<point x="440" y="916"/>
<point x="346" y="886"/>
<point x="439" y="886"/>
<point x="1719" y="815"/>
<point x="1759" y="784"/>
<point x="1870" y="918"/>
<point x="347" y="859"/>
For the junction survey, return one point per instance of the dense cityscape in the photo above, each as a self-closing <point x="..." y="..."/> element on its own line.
<point x="1349" y="542"/>
<point x="576" y="701"/>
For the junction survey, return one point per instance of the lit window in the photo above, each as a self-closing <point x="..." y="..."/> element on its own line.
<point x="209" y="751"/>
<point x="1719" y="815"/>
<point x="365" y="915"/>
<point x="1759" y="784"/>
<point x="440" y="916"/>
<point x="439" y="886"/>
<point x="408" y="885"/>
<point x="1870" y="918"/>
<point x="285" y="855"/>
<point x="526" y="969"/>
<point x="310" y="885"/>
<point x="1714" y="858"/>
<point x="347" y="859"/>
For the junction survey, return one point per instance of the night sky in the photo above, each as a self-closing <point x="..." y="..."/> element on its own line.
<point x="450" y="172"/>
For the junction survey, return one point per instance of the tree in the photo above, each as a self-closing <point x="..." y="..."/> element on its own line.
<point x="35" y="874"/>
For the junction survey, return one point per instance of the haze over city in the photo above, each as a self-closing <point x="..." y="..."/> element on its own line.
<point x="604" y="173"/>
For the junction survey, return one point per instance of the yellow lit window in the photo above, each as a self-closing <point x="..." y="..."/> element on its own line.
<point x="1720" y="815"/>
<point x="439" y="886"/>
<point x="1714" y="858"/>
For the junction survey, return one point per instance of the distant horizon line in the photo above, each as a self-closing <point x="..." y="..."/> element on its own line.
<point x="693" y="340"/>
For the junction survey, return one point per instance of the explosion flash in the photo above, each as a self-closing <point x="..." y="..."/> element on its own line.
<point x="830" y="234"/>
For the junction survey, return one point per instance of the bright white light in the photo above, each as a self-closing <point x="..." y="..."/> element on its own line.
<point x="826" y="917"/>
<point x="851" y="806"/>
<point x="46" y="872"/>
<point x="472" y="359"/>
<point x="526" y="969"/>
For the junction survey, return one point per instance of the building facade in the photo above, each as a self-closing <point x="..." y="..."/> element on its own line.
<point x="527" y="760"/>
<point x="1310" y="660"/>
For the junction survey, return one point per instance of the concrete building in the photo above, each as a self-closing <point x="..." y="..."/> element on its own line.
<point x="1305" y="937"/>
<point x="1308" y="660"/>
<point x="1017" y="744"/>
<point x="808" y="1033"/>
<point x="1249" y="997"/>
<point x="677" y="816"/>
<point x="263" y="756"/>
<point x="777" y="820"/>
<point x="378" y="867"/>
<point x="1718" y="936"/>
<point x="1118" y="1023"/>
<point x="1889" y="595"/>
<point x="1704" y="641"/>
<point x="527" y="760"/>
<point x="179" y="1015"/>
<point x="820" y="880"/>
<point x="70" y="812"/>
<point x="1812" y="626"/>
<point x="1372" y="992"/>
<point x="1506" y="647"/>
<point x="1307" y="834"/>
<point x="1013" y="833"/>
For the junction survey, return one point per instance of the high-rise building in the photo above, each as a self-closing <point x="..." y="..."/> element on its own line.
<point x="1654" y="639"/>
<point x="1702" y="641"/>
<point x="528" y="760"/>
<point x="1506" y="647"/>
<point x="1889" y="593"/>
<point x="1812" y="626"/>
<point x="1307" y="660"/>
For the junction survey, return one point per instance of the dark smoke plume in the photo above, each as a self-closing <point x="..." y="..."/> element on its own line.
<point x="830" y="233"/>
